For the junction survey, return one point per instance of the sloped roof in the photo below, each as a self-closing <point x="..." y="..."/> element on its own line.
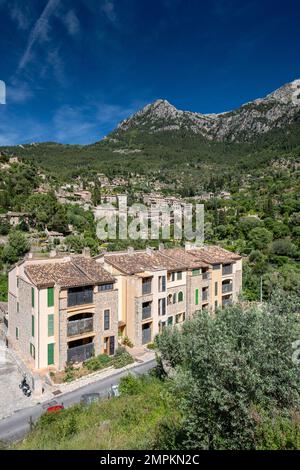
<point x="139" y="261"/>
<point x="78" y="272"/>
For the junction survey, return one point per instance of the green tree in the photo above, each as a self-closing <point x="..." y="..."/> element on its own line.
<point x="226" y="367"/>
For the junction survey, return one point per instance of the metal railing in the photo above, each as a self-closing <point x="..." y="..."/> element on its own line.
<point x="205" y="276"/>
<point x="226" y="288"/>
<point x="204" y="295"/>
<point x="146" y="288"/>
<point x="78" y="327"/>
<point x="226" y="302"/>
<point x="146" y="313"/>
<point x="226" y="270"/>
<point x="80" y="353"/>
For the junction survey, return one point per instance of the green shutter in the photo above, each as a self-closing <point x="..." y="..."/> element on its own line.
<point x="197" y="296"/>
<point x="32" y="297"/>
<point x="51" y="325"/>
<point x="32" y="326"/>
<point x="17" y="333"/>
<point x="50" y="296"/>
<point x="50" y="354"/>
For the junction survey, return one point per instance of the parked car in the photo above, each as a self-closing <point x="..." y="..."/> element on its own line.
<point x="89" y="398"/>
<point x="55" y="408"/>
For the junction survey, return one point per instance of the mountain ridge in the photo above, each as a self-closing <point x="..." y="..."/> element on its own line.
<point x="249" y="120"/>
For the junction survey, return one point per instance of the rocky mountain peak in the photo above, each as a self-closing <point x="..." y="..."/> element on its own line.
<point x="251" y="119"/>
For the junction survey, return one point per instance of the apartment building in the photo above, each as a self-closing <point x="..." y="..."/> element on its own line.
<point x="145" y="282"/>
<point x="163" y="287"/>
<point x="61" y="309"/>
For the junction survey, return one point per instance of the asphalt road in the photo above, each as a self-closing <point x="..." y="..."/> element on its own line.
<point x="16" y="426"/>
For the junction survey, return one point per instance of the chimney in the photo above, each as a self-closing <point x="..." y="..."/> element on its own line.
<point x="86" y="252"/>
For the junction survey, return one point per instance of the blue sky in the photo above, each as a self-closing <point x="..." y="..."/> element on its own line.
<point x="75" y="68"/>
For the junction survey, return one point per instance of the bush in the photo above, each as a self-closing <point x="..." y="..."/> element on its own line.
<point x="122" y="359"/>
<point x="127" y="342"/>
<point x="130" y="385"/>
<point x="151" y="346"/>
<point x="98" y="362"/>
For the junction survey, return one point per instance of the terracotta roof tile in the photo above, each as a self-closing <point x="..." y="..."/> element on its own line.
<point x="77" y="272"/>
<point x="137" y="262"/>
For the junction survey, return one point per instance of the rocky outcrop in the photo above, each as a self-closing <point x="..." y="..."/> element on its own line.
<point x="250" y="120"/>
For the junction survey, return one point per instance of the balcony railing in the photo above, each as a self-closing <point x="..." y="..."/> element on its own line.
<point x="78" y="327"/>
<point x="146" y="313"/>
<point x="80" y="353"/>
<point x="146" y="289"/>
<point x="226" y="288"/>
<point x="205" y="276"/>
<point x="227" y="270"/>
<point x="204" y="295"/>
<point x="80" y="296"/>
<point x="226" y="302"/>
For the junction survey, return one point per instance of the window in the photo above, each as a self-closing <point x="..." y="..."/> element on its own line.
<point x="51" y="325"/>
<point x="216" y="304"/>
<point x="183" y="316"/>
<point x="174" y="298"/>
<point x="179" y="276"/>
<point x="216" y="266"/>
<point x="173" y="277"/>
<point x="109" y="346"/>
<point x="17" y="282"/>
<point x="162" y="283"/>
<point x="50" y="354"/>
<point x="170" y="321"/>
<point x="178" y="318"/>
<point x="195" y="272"/>
<point x="32" y="326"/>
<point x="17" y="333"/>
<point x="146" y="286"/>
<point x="105" y="287"/>
<point x="32" y="297"/>
<point x="32" y="351"/>
<point x="180" y="296"/>
<point x="18" y="307"/>
<point x="196" y="296"/>
<point x="162" y="306"/>
<point x="80" y="296"/>
<point x="106" y="319"/>
<point x="50" y="294"/>
<point x="216" y="288"/>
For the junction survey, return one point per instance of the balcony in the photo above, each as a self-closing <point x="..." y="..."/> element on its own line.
<point x="226" y="302"/>
<point x="204" y="295"/>
<point x="206" y="276"/>
<point x="80" y="296"/>
<point x="227" y="270"/>
<point x="78" y="327"/>
<point x="146" y="312"/>
<point x="80" y="353"/>
<point x="226" y="288"/>
<point x="146" y="288"/>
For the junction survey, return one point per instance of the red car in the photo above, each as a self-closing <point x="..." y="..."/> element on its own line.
<point x="55" y="408"/>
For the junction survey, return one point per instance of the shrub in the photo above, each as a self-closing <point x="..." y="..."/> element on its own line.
<point x="98" y="362"/>
<point x="127" y="342"/>
<point x="130" y="385"/>
<point x="122" y="359"/>
<point x="151" y="346"/>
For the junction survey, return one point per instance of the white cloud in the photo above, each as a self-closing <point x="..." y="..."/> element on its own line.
<point x="20" y="16"/>
<point x="109" y="9"/>
<point x="18" y="92"/>
<point x="39" y="32"/>
<point x="72" y="23"/>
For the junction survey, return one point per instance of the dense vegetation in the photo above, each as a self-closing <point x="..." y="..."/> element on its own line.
<point x="231" y="384"/>
<point x="261" y="220"/>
